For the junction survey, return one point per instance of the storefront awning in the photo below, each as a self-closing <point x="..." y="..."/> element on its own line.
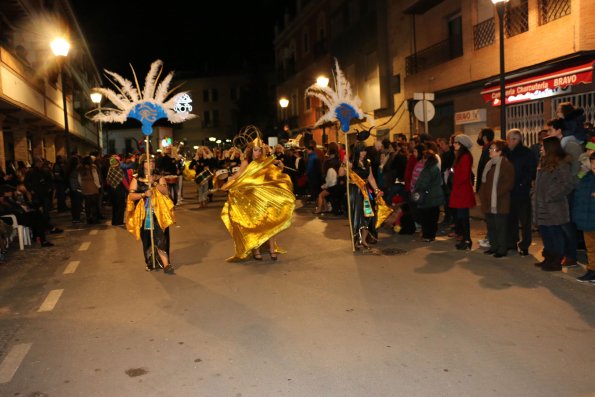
<point x="536" y="87"/>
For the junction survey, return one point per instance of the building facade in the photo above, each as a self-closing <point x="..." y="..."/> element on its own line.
<point x="32" y="91"/>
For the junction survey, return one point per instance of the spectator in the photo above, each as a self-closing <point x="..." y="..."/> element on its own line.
<point x="447" y="157"/>
<point x="525" y="168"/>
<point x="38" y="181"/>
<point x="573" y="123"/>
<point x="60" y="183"/>
<point x="330" y="168"/>
<point x="430" y="181"/>
<point x="89" y="182"/>
<point x="498" y="179"/>
<point x="553" y="184"/>
<point x="76" y="194"/>
<point x="584" y="216"/>
<point x="462" y="197"/>
<point x="313" y="171"/>
<point x="484" y="140"/>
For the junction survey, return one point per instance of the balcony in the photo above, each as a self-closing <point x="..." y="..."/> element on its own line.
<point x="436" y="54"/>
<point x="484" y="34"/>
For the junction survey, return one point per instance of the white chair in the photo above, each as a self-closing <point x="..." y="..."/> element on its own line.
<point x="23" y="232"/>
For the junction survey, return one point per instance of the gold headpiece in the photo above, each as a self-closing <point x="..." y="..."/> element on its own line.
<point x="257" y="142"/>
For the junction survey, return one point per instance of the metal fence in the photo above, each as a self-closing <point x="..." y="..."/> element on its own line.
<point x="550" y="10"/>
<point x="484" y="34"/>
<point x="527" y="117"/>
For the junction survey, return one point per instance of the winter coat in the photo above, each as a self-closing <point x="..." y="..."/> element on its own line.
<point x="525" y="167"/>
<point x="583" y="212"/>
<point x="430" y="179"/>
<point x="483" y="160"/>
<point x="504" y="187"/>
<point x="462" y="195"/>
<point x="574" y="124"/>
<point x="550" y="202"/>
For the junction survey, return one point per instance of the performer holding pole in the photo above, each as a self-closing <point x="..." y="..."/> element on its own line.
<point x="149" y="211"/>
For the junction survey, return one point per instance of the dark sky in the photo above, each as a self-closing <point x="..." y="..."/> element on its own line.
<point x="218" y="37"/>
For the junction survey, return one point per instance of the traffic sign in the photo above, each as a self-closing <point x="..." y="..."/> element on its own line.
<point x="424" y="113"/>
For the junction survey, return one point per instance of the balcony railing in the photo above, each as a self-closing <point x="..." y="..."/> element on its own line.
<point x="484" y="34"/>
<point x="434" y="55"/>
<point x="516" y="19"/>
<point x="550" y="10"/>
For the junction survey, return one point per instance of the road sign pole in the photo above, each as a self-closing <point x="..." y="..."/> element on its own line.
<point x="425" y="115"/>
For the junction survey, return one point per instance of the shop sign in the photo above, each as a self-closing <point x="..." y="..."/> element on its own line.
<point x="470" y="116"/>
<point x="543" y="86"/>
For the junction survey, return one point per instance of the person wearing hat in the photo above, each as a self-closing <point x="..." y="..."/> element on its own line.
<point x="260" y="203"/>
<point x="462" y="197"/>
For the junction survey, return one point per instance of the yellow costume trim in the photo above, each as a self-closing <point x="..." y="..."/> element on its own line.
<point x="382" y="210"/>
<point x="259" y="205"/>
<point x="135" y="212"/>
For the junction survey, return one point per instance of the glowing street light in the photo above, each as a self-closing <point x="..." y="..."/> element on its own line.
<point x="283" y="102"/>
<point x="96" y="98"/>
<point x="322" y="81"/>
<point x="212" y="139"/>
<point x="60" y="48"/>
<point x="501" y="8"/>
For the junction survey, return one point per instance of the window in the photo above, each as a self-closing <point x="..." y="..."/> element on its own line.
<point x="455" y="36"/>
<point x="205" y="95"/>
<point x="550" y="10"/>
<point x="516" y="18"/>
<point x="214" y="95"/>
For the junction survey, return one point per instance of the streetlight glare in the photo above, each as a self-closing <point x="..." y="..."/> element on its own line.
<point x="212" y="139"/>
<point x="283" y="102"/>
<point x="96" y="97"/>
<point x="218" y="141"/>
<point x="322" y="81"/>
<point x="496" y="2"/>
<point x="60" y="47"/>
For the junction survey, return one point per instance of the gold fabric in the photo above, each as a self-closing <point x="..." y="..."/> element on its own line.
<point x="361" y="184"/>
<point x="383" y="211"/>
<point x="259" y="205"/>
<point x="135" y="213"/>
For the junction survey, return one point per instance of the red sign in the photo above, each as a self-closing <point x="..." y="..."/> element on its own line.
<point x="541" y="86"/>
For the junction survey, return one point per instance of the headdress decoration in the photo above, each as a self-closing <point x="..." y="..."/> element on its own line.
<point x="249" y="136"/>
<point x="152" y="103"/>
<point x="342" y="104"/>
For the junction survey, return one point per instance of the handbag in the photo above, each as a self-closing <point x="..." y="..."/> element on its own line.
<point x="418" y="196"/>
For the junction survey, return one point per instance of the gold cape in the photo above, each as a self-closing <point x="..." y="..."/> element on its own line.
<point x="135" y="213"/>
<point x="260" y="204"/>
<point x="382" y="210"/>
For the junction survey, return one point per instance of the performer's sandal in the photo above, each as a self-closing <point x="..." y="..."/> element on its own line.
<point x="169" y="269"/>
<point x="256" y="255"/>
<point x="273" y="255"/>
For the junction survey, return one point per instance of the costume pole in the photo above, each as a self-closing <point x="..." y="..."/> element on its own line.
<point x="150" y="214"/>
<point x="347" y="167"/>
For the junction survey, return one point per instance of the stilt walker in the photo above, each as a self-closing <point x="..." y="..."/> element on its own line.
<point x="153" y="102"/>
<point x="343" y="107"/>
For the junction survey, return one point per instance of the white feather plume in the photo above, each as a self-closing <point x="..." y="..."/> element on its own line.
<point x="126" y="96"/>
<point x="332" y="99"/>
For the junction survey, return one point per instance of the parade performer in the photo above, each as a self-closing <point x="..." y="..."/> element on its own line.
<point x="152" y="214"/>
<point x="259" y="205"/>
<point x="149" y="213"/>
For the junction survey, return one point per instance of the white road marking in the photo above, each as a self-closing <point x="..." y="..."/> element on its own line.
<point x="51" y="300"/>
<point x="13" y="361"/>
<point x="85" y="246"/>
<point x="71" y="268"/>
<point x="93" y="232"/>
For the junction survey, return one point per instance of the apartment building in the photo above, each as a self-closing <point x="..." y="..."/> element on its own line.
<point x="451" y="48"/>
<point x="32" y="92"/>
<point x="355" y="33"/>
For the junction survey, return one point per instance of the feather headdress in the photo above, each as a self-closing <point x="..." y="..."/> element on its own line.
<point x="342" y="104"/>
<point x="148" y="105"/>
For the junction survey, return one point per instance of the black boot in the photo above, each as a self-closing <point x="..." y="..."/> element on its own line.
<point x="466" y="243"/>
<point x="553" y="263"/>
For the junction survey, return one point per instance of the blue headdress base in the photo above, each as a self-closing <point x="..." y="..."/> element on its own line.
<point x="345" y="113"/>
<point x="147" y="113"/>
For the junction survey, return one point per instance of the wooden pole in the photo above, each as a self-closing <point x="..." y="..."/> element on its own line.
<point x="150" y="211"/>
<point x="347" y="167"/>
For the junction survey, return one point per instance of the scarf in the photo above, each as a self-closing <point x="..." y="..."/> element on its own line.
<point x="494" y="199"/>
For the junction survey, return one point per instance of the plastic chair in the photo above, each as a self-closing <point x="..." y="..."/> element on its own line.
<point x="23" y="232"/>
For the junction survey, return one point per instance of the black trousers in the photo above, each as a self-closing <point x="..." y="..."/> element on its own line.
<point x="497" y="225"/>
<point x="520" y="214"/>
<point x="428" y="218"/>
<point x="119" y="196"/>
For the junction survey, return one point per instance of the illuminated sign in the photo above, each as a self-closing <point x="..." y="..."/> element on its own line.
<point x="470" y="116"/>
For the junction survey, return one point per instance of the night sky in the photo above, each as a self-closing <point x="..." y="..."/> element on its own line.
<point x="218" y="38"/>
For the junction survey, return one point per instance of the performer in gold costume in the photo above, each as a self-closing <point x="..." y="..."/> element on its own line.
<point x="149" y="193"/>
<point x="259" y="205"/>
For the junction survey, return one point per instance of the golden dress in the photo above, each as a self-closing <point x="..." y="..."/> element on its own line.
<point x="259" y="205"/>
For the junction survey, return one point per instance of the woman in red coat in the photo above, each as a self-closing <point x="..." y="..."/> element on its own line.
<point x="462" y="197"/>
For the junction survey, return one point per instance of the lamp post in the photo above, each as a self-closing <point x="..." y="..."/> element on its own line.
<point x="501" y="7"/>
<point x="322" y="81"/>
<point x="96" y="98"/>
<point x="60" y="48"/>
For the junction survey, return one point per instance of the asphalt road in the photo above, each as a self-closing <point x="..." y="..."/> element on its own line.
<point x="83" y="318"/>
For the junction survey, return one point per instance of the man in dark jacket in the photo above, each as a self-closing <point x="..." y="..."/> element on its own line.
<point x="525" y="167"/>
<point x="484" y="139"/>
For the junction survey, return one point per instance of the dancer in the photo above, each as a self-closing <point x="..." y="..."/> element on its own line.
<point x="148" y="192"/>
<point x="259" y="205"/>
<point x="362" y="201"/>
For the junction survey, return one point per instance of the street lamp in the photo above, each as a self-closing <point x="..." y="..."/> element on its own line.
<point x="501" y="7"/>
<point x="96" y="98"/>
<point x="322" y="81"/>
<point x="283" y="102"/>
<point x="60" y="48"/>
